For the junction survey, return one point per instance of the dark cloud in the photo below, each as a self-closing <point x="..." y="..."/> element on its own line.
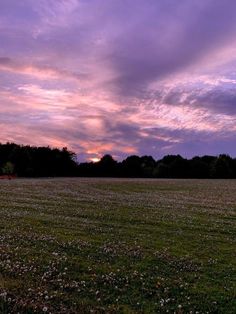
<point x="169" y="38"/>
<point x="219" y="101"/>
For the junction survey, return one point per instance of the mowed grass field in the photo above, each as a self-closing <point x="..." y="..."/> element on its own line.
<point x="117" y="246"/>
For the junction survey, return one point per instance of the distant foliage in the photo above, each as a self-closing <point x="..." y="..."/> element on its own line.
<point x="30" y="161"/>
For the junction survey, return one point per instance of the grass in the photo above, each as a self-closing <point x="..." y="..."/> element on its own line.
<point x="117" y="246"/>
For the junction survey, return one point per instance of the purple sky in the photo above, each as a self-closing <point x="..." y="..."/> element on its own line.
<point x="119" y="76"/>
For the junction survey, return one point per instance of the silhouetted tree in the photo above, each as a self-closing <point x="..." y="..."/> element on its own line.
<point x="161" y="171"/>
<point x="221" y="167"/>
<point x="107" y="166"/>
<point x="8" y="168"/>
<point x="38" y="161"/>
<point x="132" y="166"/>
<point x="198" y="168"/>
<point x="148" y="165"/>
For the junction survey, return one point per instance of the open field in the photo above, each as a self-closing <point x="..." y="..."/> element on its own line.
<point x="117" y="246"/>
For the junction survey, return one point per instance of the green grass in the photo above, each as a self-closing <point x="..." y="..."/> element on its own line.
<point x="117" y="246"/>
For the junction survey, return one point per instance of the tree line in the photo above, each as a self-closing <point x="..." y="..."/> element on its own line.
<point x="30" y="161"/>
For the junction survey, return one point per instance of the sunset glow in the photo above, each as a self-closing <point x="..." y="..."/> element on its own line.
<point x="95" y="159"/>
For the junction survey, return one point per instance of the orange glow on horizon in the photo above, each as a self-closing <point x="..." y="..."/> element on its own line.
<point x="95" y="159"/>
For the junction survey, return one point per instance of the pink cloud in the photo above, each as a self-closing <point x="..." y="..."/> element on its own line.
<point x="40" y="72"/>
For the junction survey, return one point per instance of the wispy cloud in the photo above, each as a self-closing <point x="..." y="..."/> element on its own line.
<point x="120" y="77"/>
<point x="40" y="72"/>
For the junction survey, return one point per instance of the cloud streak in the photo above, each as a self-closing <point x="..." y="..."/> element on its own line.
<point x="40" y="72"/>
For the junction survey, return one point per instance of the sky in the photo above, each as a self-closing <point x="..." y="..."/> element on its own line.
<point x="119" y="77"/>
